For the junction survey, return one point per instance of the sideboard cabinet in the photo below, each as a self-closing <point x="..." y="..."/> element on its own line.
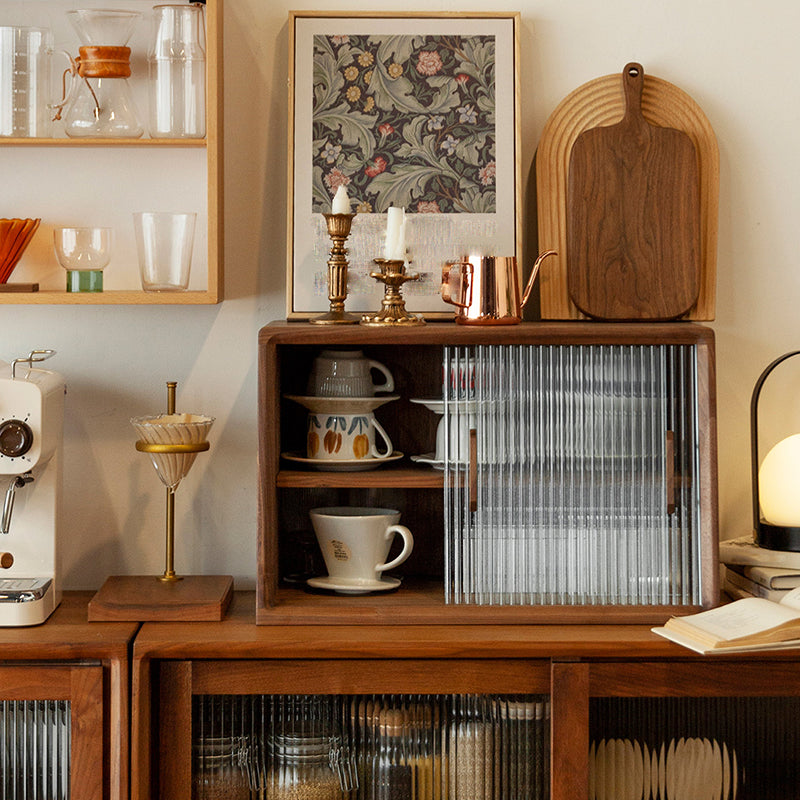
<point x="472" y="712"/>
<point x="64" y="707"/>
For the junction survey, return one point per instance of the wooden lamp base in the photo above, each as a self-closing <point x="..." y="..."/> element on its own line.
<point x="146" y="598"/>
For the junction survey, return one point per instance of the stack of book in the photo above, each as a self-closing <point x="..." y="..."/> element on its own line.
<point x="765" y="614"/>
<point x="753" y="571"/>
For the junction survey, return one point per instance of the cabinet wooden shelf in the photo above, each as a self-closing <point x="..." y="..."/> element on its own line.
<point x="415" y="357"/>
<point x="111" y="297"/>
<point x="103" y="181"/>
<point x="397" y="477"/>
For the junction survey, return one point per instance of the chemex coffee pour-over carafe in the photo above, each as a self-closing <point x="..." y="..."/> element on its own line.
<point x="99" y="102"/>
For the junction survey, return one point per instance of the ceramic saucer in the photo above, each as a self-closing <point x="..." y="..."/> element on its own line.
<point x="342" y="405"/>
<point x="429" y="459"/>
<point x="437" y="463"/>
<point x="436" y="404"/>
<point x="354" y="585"/>
<point x="342" y="464"/>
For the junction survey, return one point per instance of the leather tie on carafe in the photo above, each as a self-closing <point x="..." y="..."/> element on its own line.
<point x="104" y="62"/>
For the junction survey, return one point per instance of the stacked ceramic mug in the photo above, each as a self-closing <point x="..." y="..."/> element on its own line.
<point x="342" y="432"/>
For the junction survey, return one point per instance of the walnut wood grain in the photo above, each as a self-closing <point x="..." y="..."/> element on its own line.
<point x="87" y="746"/>
<point x="633" y="217"/>
<point x="370" y="676"/>
<point x="569" y="715"/>
<point x="601" y="102"/>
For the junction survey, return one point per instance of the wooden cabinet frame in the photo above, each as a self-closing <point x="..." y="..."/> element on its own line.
<point x="82" y="686"/>
<point x="173" y="662"/>
<point x="87" y="664"/>
<point x="285" y="351"/>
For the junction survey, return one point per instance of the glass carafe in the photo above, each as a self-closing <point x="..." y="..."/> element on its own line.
<point x="177" y="66"/>
<point x="100" y="103"/>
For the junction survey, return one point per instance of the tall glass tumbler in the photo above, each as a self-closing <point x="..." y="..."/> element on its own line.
<point x="177" y="65"/>
<point x="164" y="241"/>
<point x="25" y="81"/>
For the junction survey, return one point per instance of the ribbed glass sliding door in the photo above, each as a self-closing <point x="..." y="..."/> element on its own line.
<point x="571" y="475"/>
<point x="371" y="747"/>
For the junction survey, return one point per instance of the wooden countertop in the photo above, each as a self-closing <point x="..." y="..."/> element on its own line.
<point x="238" y="637"/>
<point x="68" y="635"/>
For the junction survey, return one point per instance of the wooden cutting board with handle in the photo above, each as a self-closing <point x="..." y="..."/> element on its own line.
<point x="633" y="217"/>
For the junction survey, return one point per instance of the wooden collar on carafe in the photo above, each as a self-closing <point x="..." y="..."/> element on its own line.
<point x="104" y="62"/>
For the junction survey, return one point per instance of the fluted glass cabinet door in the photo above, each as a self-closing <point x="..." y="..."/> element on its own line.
<point x="51" y="732"/>
<point x="572" y="475"/>
<point x="683" y="748"/>
<point x="371" y="747"/>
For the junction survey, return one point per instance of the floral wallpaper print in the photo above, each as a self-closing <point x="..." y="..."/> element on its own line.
<point x="405" y="120"/>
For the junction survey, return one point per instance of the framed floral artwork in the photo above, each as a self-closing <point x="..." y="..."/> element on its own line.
<point x="412" y="110"/>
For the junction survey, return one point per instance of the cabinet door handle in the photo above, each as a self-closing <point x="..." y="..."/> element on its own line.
<point x="473" y="469"/>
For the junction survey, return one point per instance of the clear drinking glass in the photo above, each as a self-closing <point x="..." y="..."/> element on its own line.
<point x="177" y="65"/>
<point x="84" y="253"/>
<point x="164" y="240"/>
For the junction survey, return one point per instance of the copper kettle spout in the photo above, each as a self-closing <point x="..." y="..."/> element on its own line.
<point x="534" y="272"/>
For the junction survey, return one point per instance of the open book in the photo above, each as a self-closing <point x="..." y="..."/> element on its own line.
<point x="753" y="623"/>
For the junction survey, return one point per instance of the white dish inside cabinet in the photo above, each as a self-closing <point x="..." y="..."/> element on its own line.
<point x="589" y="495"/>
<point x="85" y="181"/>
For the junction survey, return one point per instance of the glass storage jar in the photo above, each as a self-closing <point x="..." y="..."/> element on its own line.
<point x="303" y="768"/>
<point x="218" y="772"/>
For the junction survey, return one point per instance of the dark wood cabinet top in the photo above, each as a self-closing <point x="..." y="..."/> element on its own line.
<point x="238" y="637"/>
<point x="68" y="635"/>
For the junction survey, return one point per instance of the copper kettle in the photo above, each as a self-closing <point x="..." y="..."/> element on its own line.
<point x="489" y="289"/>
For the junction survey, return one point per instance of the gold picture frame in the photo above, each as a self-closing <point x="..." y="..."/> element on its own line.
<point x="413" y="109"/>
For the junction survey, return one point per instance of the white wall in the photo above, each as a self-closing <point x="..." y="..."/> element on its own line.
<point x="734" y="57"/>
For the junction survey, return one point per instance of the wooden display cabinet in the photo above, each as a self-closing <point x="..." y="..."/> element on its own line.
<point x="85" y="665"/>
<point x="414" y="356"/>
<point x="86" y="181"/>
<point x="576" y="665"/>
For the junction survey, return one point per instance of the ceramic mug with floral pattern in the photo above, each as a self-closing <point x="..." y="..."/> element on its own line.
<point x="345" y="437"/>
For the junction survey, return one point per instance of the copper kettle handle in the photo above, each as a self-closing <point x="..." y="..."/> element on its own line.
<point x="466" y="277"/>
<point x="534" y="273"/>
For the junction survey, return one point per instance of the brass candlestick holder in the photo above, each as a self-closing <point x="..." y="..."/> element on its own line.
<point x="393" y="307"/>
<point x="338" y="229"/>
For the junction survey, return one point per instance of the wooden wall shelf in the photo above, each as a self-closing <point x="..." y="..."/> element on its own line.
<point x="103" y="181"/>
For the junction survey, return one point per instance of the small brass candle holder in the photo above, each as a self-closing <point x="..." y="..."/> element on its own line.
<point x="338" y="229"/>
<point x="393" y="307"/>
